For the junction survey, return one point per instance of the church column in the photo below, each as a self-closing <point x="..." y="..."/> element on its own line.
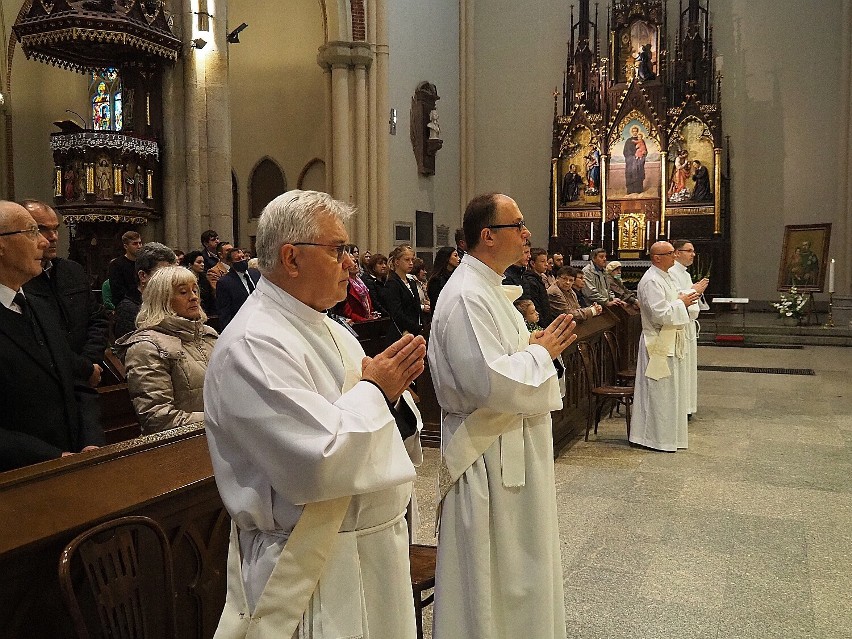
<point x="362" y="57"/>
<point x="381" y="143"/>
<point x="192" y="214"/>
<point x="375" y="130"/>
<point x="219" y="195"/>
<point x="467" y="174"/>
<point x="173" y="160"/>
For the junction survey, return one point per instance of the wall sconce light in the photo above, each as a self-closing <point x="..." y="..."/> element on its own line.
<point x="234" y="36"/>
<point x="199" y="43"/>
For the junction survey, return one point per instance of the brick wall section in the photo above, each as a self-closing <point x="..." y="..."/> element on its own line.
<point x="359" y="21"/>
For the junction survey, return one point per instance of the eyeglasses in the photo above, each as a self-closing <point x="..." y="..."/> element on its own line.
<point x="514" y="225"/>
<point x="31" y="233"/>
<point x="686" y="250"/>
<point x="340" y="248"/>
<point x="666" y="253"/>
<point x="48" y="229"/>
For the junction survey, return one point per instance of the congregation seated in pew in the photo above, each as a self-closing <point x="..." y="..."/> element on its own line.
<point x="166" y="357"/>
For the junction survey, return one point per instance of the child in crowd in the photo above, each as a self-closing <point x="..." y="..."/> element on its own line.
<point x="527" y="309"/>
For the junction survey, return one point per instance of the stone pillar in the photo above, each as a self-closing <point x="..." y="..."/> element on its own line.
<point x="843" y="281"/>
<point x="377" y="124"/>
<point x="380" y="144"/>
<point x="349" y="62"/>
<point x="218" y="196"/>
<point x="467" y="174"/>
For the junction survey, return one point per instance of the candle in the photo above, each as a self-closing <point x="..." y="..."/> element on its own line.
<point x="831" y="277"/>
<point x="592" y="231"/>
<point x="612" y="232"/>
<point x="648" y="232"/>
<point x="657" y="231"/>
<point x="669" y="230"/>
<point x="603" y="234"/>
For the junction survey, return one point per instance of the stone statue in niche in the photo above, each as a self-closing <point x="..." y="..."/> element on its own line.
<point x="424" y="128"/>
<point x="139" y="183"/>
<point x="434" y="127"/>
<point x="129" y="182"/>
<point x="103" y="179"/>
<point x="644" y="65"/>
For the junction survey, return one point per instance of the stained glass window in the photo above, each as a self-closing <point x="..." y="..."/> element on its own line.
<point x="105" y="96"/>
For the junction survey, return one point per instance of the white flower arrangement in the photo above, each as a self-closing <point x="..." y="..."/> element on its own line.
<point x="791" y="304"/>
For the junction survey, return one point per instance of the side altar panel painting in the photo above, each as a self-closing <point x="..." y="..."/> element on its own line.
<point x="637" y="52"/>
<point x="634" y="170"/>
<point x="690" y="164"/>
<point x="580" y="171"/>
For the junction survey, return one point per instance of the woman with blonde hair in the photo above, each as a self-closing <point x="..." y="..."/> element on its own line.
<point x="166" y="356"/>
<point x="402" y="300"/>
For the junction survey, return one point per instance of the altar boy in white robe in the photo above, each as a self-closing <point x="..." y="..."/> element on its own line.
<point x="499" y="572"/>
<point x="306" y="437"/>
<point x="659" y="405"/>
<point x="684" y="257"/>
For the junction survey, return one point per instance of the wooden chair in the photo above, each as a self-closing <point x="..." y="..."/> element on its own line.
<point x="600" y="392"/>
<point x="422" y="559"/>
<point x="623" y="376"/>
<point x="117" y="581"/>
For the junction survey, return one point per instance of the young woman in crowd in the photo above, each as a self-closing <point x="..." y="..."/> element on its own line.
<point x="166" y="357"/>
<point x="375" y="277"/>
<point x="194" y="261"/>
<point x="420" y="277"/>
<point x="446" y="261"/>
<point x="402" y="300"/>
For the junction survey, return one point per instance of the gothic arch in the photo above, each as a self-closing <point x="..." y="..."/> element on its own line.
<point x="345" y="20"/>
<point x="266" y="181"/>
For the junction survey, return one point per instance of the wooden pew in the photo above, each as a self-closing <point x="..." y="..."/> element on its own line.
<point x="167" y="477"/>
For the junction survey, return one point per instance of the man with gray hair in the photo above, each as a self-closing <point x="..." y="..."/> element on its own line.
<point x="150" y="257"/>
<point x="312" y="444"/>
<point x="596" y="287"/>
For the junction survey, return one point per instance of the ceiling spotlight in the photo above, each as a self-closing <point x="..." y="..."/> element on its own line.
<point x="199" y="43"/>
<point x="234" y="36"/>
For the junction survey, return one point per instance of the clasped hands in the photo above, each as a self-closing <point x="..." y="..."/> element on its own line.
<point x="556" y="337"/>
<point x="396" y="367"/>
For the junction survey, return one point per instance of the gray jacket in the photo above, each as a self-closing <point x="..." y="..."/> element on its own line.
<point x="165" y="367"/>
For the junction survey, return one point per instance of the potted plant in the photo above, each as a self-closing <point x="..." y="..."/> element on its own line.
<point x="791" y="306"/>
<point x="584" y="249"/>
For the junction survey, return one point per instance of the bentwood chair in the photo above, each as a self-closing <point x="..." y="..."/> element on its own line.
<point x="117" y="581"/>
<point x="623" y="376"/>
<point x="600" y="393"/>
<point x="422" y="559"/>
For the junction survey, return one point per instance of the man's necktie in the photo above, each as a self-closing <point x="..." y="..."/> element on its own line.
<point x="249" y="283"/>
<point x="21" y="301"/>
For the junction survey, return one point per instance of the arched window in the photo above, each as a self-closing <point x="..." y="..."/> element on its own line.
<point x="106" y="100"/>
<point x="266" y="183"/>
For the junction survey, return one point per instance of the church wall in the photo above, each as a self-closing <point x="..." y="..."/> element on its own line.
<point x="781" y="105"/>
<point x="424" y="45"/>
<point x="277" y="93"/>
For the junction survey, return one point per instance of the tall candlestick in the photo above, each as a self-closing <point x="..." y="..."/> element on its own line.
<point x="669" y="229"/>
<point x="831" y="277"/>
<point x="657" y="231"/>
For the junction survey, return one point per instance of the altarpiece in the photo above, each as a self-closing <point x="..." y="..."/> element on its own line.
<point x="637" y="151"/>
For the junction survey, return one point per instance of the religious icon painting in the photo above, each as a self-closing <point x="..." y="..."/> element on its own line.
<point x="804" y="257"/>
<point x="580" y="172"/>
<point x="690" y="164"/>
<point x="634" y="170"/>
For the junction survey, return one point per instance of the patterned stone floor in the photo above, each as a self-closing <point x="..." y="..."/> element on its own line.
<point x="747" y="534"/>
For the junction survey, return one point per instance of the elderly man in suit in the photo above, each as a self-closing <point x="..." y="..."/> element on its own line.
<point x="234" y="287"/>
<point x="39" y="409"/>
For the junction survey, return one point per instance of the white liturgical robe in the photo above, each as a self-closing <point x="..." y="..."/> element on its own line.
<point x="499" y="572"/>
<point x="659" y="408"/>
<point x="283" y="433"/>
<point x="684" y="284"/>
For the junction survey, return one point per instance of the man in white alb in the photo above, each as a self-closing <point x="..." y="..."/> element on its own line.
<point x="684" y="257"/>
<point x="659" y="405"/>
<point x="499" y="573"/>
<point x="307" y="441"/>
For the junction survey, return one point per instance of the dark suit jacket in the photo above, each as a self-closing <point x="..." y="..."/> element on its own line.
<point x="39" y="409"/>
<point x="403" y="304"/>
<point x="83" y="319"/>
<point x="535" y="290"/>
<point x="231" y="294"/>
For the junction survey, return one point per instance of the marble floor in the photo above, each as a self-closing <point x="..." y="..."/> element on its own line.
<point x="748" y="533"/>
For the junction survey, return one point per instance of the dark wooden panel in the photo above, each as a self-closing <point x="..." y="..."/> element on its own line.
<point x="167" y="477"/>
